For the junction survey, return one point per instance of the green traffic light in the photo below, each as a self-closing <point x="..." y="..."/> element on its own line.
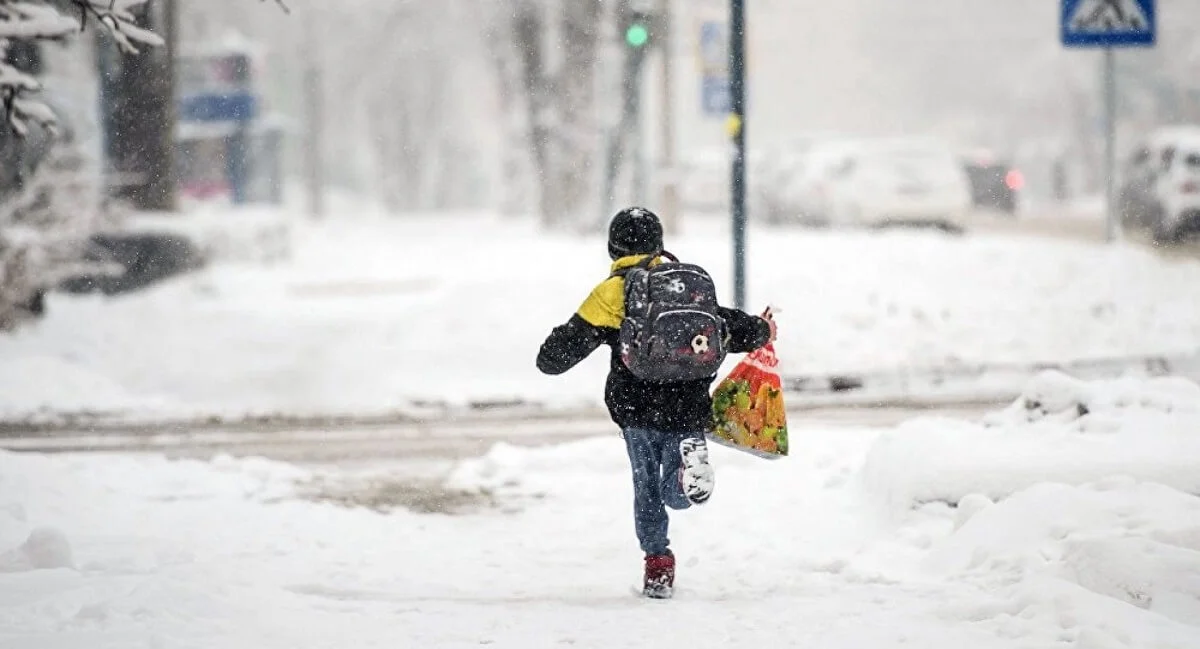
<point x="637" y="35"/>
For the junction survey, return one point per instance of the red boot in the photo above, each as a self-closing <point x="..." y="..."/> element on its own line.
<point x="660" y="576"/>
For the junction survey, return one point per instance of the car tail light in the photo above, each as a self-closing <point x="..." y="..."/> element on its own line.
<point x="1190" y="187"/>
<point x="1014" y="179"/>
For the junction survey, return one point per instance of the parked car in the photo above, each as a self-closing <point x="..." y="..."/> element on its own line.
<point x="1160" y="189"/>
<point x="882" y="182"/>
<point x="995" y="184"/>
<point x="774" y="182"/>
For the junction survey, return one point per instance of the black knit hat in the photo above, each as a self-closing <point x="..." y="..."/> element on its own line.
<point x="634" y="231"/>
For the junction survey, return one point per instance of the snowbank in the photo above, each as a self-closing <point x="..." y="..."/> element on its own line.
<point x="46" y="548"/>
<point x="1136" y="544"/>
<point x="254" y="235"/>
<point x="797" y="551"/>
<point x="1059" y="430"/>
<point x="369" y="314"/>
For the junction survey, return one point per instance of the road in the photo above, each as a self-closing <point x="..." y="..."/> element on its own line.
<point x="384" y="466"/>
<point x="1082" y="229"/>
<point x="446" y="439"/>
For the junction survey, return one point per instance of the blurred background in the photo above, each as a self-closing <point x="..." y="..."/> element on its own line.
<point x="383" y="192"/>
<point x="427" y="107"/>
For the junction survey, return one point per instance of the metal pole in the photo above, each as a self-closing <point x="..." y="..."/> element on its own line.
<point x="669" y="209"/>
<point x="737" y="127"/>
<point x="315" y="114"/>
<point x="1110" y="146"/>
<point x="608" y="186"/>
<point x="640" y="168"/>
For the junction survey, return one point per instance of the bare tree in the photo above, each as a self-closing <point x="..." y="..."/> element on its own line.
<point x="559" y="99"/>
<point x="395" y="83"/>
<point x="575" y="91"/>
<point x="516" y="184"/>
<point x="414" y="99"/>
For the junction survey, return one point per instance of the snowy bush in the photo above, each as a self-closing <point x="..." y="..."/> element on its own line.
<point x="43" y="230"/>
<point x="48" y="205"/>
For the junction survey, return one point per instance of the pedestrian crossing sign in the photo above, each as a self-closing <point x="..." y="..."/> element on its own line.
<point x="1108" y="23"/>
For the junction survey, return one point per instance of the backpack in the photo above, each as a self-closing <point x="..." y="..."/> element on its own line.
<point x="672" y="330"/>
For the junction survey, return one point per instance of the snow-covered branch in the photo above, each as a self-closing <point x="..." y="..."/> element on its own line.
<point x="47" y="20"/>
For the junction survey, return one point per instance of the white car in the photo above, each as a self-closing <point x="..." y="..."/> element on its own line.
<point x="1161" y="187"/>
<point x="884" y="182"/>
<point x="773" y="181"/>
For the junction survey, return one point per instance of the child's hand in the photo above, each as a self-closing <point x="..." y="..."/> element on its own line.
<point x="769" y="316"/>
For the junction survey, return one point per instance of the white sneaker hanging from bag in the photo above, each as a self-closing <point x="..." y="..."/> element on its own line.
<point x="696" y="475"/>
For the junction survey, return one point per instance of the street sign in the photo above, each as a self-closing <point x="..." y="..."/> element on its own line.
<point x="1108" y="23"/>
<point x="714" y="96"/>
<point x="714" y="47"/>
<point x="714" y="68"/>
<point x="218" y="107"/>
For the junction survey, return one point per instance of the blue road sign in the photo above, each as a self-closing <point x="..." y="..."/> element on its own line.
<point x="714" y="47"/>
<point x="714" y="68"/>
<point x="714" y="95"/>
<point x="1108" y="23"/>
<point x="218" y="107"/>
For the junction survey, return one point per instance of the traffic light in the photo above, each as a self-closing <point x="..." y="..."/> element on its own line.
<point x="637" y="35"/>
<point x="639" y="28"/>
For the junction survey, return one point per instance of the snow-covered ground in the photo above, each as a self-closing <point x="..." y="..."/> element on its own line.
<point x="369" y="314"/>
<point x="816" y="550"/>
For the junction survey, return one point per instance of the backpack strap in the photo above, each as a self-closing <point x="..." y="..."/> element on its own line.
<point x="645" y="263"/>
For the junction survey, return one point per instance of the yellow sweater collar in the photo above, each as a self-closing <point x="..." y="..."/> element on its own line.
<point x="630" y="261"/>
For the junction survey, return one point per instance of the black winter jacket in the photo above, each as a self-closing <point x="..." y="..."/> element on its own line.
<point x="684" y="406"/>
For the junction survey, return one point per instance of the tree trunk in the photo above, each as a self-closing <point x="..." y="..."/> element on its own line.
<point x="576" y="95"/>
<point x="528" y="30"/>
<point x="560" y="106"/>
<point x="514" y="155"/>
<point x="145" y="131"/>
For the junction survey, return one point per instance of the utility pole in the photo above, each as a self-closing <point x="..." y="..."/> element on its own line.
<point x="668" y="176"/>
<point x="737" y="130"/>
<point x="1112" y="219"/>
<point x="314" y="116"/>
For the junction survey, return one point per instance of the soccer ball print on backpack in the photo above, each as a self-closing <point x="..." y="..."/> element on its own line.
<point x="672" y="329"/>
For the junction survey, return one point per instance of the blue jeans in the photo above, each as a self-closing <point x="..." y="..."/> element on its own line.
<point x="654" y="457"/>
